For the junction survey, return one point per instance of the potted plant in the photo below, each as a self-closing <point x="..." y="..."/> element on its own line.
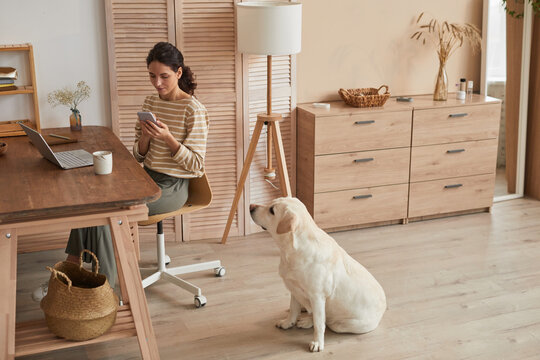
<point x="71" y="98"/>
<point x="447" y="38"/>
<point x="512" y="10"/>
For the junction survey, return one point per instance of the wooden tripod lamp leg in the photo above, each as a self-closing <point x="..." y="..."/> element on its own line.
<point x="269" y="171"/>
<point x="243" y="176"/>
<point x="280" y="157"/>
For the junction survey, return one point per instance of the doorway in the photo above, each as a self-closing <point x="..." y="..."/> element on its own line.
<point x="495" y="75"/>
<point x="501" y="80"/>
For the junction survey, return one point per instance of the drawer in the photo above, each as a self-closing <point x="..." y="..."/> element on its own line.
<point x="360" y="206"/>
<point x="361" y="169"/>
<point x="449" y="195"/>
<point x="347" y="133"/>
<point x="452" y="160"/>
<point x="455" y="124"/>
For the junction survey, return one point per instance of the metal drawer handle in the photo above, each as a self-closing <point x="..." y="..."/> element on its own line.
<point x="364" y="122"/>
<point x="363" y="160"/>
<point x="453" y="186"/>
<point x="455" y="151"/>
<point x="357" y="197"/>
<point x="458" y="115"/>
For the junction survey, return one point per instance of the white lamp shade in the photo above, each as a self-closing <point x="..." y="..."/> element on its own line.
<point x="269" y="27"/>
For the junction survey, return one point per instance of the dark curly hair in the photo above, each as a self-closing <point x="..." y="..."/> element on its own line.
<point x="166" y="53"/>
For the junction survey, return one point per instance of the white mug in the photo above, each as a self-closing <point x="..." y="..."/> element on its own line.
<point x="102" y="162"/>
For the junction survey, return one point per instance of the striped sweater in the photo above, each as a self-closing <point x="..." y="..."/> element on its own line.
<point x="187" y="120"/>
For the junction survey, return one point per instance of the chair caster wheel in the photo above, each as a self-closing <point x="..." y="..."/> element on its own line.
<point x="167" y="260"/>
<point x="199" y="301"/>
<point x="220" y="271"/>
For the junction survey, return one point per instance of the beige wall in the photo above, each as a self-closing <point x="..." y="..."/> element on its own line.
<point x="345" y="43"/>
<point x="70" y="45"/>
<point x="360" y="43"/>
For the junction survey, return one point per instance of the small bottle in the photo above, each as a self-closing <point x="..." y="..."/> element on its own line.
<point x="460" y="95"/>
<point x="469" y="90"/>
<point x="462" y="84"/>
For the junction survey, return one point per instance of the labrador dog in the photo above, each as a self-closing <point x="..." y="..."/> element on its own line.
<point x="333" y="287"/>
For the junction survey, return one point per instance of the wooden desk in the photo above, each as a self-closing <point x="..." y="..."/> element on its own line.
<point x="38" y="197"/>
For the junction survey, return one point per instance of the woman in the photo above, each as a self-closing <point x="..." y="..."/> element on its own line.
<point x="172" y="151"/>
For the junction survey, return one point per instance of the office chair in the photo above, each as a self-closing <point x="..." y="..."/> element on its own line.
<point x="200" y="196"/>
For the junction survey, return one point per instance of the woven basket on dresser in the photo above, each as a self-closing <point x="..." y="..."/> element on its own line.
<point x="82" y="306"/>
<point x="364" y="97"/>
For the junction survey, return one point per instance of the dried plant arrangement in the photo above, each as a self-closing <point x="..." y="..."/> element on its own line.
<point x="71" y="98"/>
<point x="447" y="38"/>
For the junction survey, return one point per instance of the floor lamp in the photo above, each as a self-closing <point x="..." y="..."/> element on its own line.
<point x="266" y="28"/>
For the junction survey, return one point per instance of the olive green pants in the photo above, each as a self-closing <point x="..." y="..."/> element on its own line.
<point x="97" y="239"/>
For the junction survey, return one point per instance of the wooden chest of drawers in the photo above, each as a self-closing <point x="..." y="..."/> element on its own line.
<point x="403" y="161"/>
<point x="353" y="164"/>
<point x="453" y="158"/>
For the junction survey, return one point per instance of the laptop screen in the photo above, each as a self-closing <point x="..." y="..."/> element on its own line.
<point x="40" y="143"/>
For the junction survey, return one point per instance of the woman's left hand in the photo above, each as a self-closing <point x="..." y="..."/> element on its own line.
<point x="159" y="131"/>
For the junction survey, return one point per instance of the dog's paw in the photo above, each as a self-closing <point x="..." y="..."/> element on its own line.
<point x="284" y="324"/>
<point x="305" y="322"/>
<point x="315" y="346"/>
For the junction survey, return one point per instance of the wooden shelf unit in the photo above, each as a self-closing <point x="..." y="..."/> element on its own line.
<point x="9" y="128"/>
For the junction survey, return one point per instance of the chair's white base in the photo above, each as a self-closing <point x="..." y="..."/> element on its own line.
<point x="169" y="274"/>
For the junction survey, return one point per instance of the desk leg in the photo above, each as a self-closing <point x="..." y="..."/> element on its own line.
<point x="8" y="281"/>
<point x="129" y="271"/>
<point x="121" y="279"/>
<point x="135" y="236"/>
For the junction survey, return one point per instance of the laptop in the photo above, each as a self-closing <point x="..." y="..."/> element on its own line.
<point x="66" y="159"/>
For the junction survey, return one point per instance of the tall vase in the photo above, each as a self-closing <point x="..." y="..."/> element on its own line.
<point x="75" y="120"/>
<point x="441" y="86"/>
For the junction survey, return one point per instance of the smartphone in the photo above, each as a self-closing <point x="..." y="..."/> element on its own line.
<point x="146" y="116"/>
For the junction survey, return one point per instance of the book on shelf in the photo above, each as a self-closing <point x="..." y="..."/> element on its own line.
<point x="8" y="81"/>
<point x="6" y="87"/>
<point x="8" y="73"/>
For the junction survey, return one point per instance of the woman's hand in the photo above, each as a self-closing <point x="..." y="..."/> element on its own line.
<point x="159" y="131"/>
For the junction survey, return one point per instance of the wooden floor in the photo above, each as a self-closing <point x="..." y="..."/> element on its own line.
<point x="466" y="287"/>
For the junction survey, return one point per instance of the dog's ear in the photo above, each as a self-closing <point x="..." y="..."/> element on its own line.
<point x="287" y="224"/>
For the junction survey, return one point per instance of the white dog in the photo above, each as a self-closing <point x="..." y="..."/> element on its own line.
<point x="321" y="276"/>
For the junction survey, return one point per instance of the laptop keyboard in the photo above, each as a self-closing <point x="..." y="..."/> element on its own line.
<point x="70" y="160"/>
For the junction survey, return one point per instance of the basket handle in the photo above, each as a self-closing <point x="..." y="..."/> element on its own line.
<point x="383" y="86"/>
<point x="56" y="273"/>
<point x="95" y="259"/>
